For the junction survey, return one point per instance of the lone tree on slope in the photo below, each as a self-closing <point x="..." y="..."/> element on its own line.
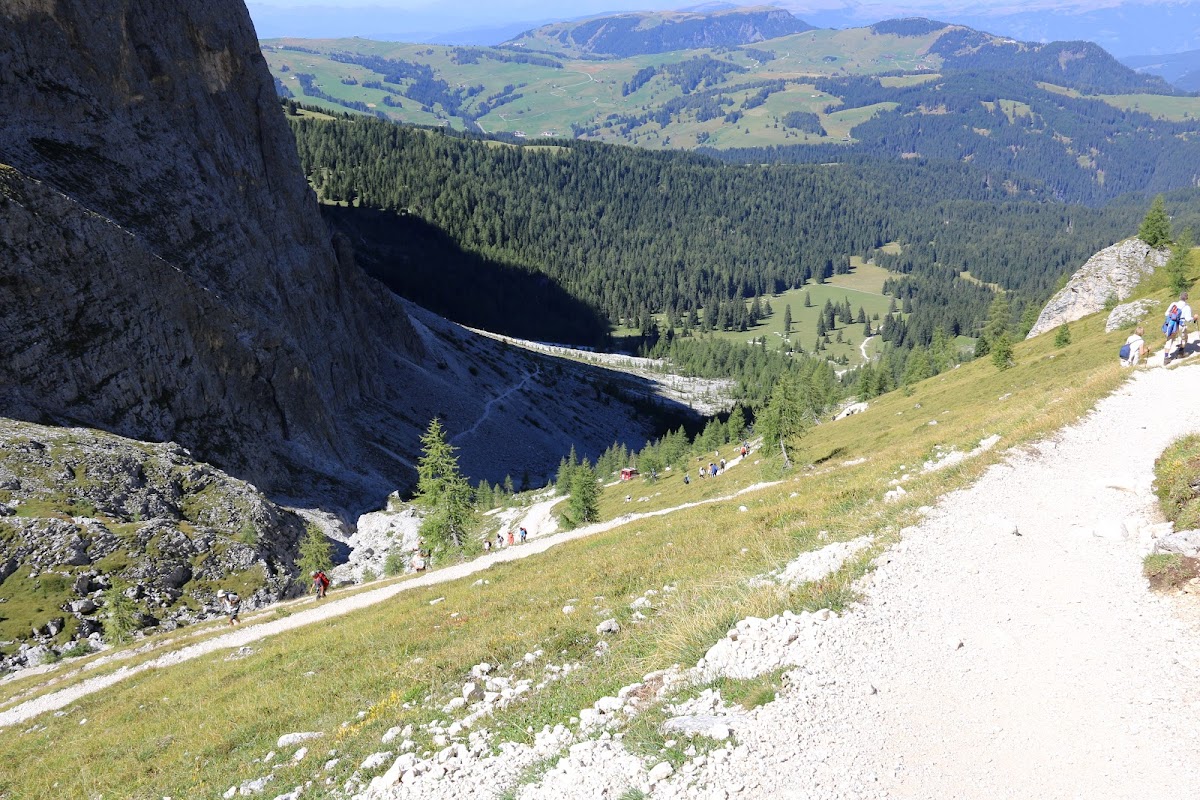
<point x="443" y="490"/>
<point x="1156" y="227"/>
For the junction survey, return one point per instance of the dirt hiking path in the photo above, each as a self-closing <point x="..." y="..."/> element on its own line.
<point x="987" y="664"/>
<point x="333" y="607"/>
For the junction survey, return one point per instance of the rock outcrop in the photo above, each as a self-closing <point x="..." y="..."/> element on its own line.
<point x="166" y="275"/>
<point x="82" y="511"/>
<point x="1111" y="273"/>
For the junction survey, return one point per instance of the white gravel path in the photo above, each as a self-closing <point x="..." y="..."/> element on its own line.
<point x="334" y="607"/>
<point x="984" y="664"/>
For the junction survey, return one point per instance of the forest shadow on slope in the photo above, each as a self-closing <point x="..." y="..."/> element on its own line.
<point x="419" y="261"/>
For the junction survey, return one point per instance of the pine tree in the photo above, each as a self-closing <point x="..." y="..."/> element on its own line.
<point x="584" y="504"/>
<point x="786" y="417"/>
<point x="787" y="320"/>
<point x="120" y="615"/>
<point x="736" y="424"/>
<point x="1002" y="352"/>
<point x="1179" y="263"/>
<point x="445" y="493"/>
<point x="1062" y="336"/>
<point x="316" y="552"/>
<point x="917" y="368"/>
<point x="1156" y="226"/>
<point x="807" y="300"/>
<point x="998" y="317"/>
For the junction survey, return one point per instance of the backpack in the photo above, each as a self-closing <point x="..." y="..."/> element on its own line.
<point x="1124" y="354"/>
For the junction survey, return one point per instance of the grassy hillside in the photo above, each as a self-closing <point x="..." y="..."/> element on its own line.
<point x="200" y="727"/>
<point x="902" y="90"/>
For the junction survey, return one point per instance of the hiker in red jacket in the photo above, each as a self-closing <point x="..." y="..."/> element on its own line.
<point x="320" y="583"/>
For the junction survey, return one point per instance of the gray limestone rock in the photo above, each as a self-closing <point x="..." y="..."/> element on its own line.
<point x="1113" y="272"/>
<point x="1127" y="315"/>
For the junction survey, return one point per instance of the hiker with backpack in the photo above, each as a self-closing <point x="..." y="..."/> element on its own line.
<point x="320" y="583"/>
<point x="1134" y="349"/>
<point x="231" y="604"/>
<point x="1178" y="315"/>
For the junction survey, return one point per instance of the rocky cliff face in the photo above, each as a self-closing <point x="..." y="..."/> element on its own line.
<point x="1113" y="272"/>
<point x="170" y="276"/>
<point x="166" y="274"/>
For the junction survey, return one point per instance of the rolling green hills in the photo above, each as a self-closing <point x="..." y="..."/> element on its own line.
<point x="1089" y="127"/>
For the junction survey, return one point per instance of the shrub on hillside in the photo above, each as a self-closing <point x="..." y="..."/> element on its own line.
<point x="1177" y="482"/>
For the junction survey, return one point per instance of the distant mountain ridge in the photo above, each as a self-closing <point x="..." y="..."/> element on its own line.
<point x="648" y="33"/>
<point x="1180" y="69"/>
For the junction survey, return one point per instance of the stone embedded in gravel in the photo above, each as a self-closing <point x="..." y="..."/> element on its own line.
<point x="472" y="692"/>
<point x="299" y="755"/>
<point x="661" y="771"/>
<point x="713" y="726"/>
<point x="292" y="739"/>
<point x="608" y="626"/>
<point x="568" y="609"/>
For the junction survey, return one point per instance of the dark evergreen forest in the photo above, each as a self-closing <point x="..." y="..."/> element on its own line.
<point x="627" y="232"/>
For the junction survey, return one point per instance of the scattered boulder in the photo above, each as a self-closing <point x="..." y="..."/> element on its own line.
<point x="1127" y="315"/>
<point x="1185" y="543"/>
<point x="608" y="626"/>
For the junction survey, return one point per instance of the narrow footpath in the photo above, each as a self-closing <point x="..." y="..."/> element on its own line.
<point x="333" y="607"/>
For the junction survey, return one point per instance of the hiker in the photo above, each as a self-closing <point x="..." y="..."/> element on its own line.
<point x="320" y="583"/>
<point x="686" y="479"/>
<point x="1178" y="315"/>
<point x="1134" y="349"/>
<point x="499" y="540"/>
<point x="510" y="538"/>
<point x="231" y="604"/>
<point x="487" y="545"/>
<point x="419" y="563"/>
<point x="722" y="465"/>
<point x="524" y="534"/>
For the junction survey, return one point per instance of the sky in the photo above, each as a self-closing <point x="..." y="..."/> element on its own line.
<point x="1124" y="27"/>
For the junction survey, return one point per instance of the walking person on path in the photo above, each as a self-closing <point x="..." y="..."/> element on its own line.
<point x="231" y="604"/>
<point x="510" y="538"/>
<point x="524" y="534"/>
<point x="320" y="583"/>
<point x="1179" y="313"/>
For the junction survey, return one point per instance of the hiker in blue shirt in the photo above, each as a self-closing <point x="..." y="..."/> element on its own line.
<point x="1178" y="315"/>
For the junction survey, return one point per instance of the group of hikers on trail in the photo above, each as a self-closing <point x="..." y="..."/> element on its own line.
<point x="513" y="538"/>
<point x="1178" y="315"/>
<point x="714" y="467"/>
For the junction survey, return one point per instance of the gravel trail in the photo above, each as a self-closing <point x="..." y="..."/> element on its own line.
<point x="986" y="664"/>
<point x="248" y="632"/>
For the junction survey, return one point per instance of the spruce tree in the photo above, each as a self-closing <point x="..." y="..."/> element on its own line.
<point x="787" y="319"/>
<point x="316" y="552"/>
<point x="1180" y="261"/>
<point x="1002" y="352"/>
<point x="1156" y="226"/>
<point x="1062" y="336"/>
<point x="445" y="493"/>
<point x="584" y="504"/>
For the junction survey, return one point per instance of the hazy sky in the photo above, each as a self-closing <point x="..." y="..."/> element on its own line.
<point x="1129" y="26"/>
